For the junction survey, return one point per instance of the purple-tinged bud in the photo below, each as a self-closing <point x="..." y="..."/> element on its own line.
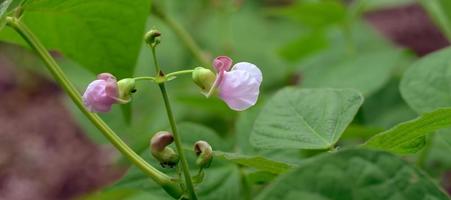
<point x="204" y="154"/>
<point x="204" y="78"/>
<point x="101" y="94"/>
<point x="126" y="88"/>
<point x="222" y="63"/>
<point x="160" y="150"/>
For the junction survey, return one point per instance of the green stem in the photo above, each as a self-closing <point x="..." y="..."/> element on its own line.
<point x="155" y="62"/>
<point x="184" y="36"/>
<point x="178" y="143"/>
<point x="144" y="78"/>
<point x="159" y="177"/>
<point x="189" y="71"/>
<point x="177" y="139"/>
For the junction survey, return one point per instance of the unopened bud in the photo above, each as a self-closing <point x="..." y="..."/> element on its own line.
<point x="204" y="78"/>
<point x="151" y="37"/>
<point x="160" y="150"/>
<point x="126" y="88"/>
<point x="204" y="154"/>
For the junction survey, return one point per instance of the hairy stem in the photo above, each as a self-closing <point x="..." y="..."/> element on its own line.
<point x="159" y="177"/>
<point x="184" y="36"/>
<point x="177" y="139"/>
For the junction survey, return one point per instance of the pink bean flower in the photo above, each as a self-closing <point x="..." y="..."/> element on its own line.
<point x="102" y="93"/>
<point x="238" y="86"/>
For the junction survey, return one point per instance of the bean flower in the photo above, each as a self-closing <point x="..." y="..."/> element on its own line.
<point x="102" y="93"/>
<point x="238" y="86"/>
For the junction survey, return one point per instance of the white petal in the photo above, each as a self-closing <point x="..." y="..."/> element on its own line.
<point x="239" y="90"/>
<point x="252" y="69"/>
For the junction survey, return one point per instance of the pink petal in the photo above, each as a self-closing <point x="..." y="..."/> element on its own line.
<point x="106" y="77"/>
<point x="222" y="63"/>
<point x="239" y="89"/>
<point x="252" y="69"/>
<point x="97" y="95"/>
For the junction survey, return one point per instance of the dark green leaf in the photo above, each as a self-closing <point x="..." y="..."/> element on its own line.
<point x="407" y="137"/>
<point x="101" y="35"/>
<point x="354" y="175"/>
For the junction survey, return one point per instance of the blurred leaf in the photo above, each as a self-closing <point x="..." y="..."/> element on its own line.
<point x="354" y="131"/>
<point x="437" y="159"/>
<point x="352" y="175"/>
<point x="3" y="12"/>
<point x="305" y="118"/>
<point x="384" y="4"/>
<point x="426" y="85"/>
<point x="366" y="71"/>
<point x="256" y="162"/>
<point x="101" y="35"/>
<point x="120" y="194"/>
<point x="314" y="14"/>
<point x="191" y="133"/>
<point x="260" y="177"/>
<point x="304" y="46"/>
<point x="440" y="10"/>
<point x="386" y="108"/>
<point x="407" y="137"/>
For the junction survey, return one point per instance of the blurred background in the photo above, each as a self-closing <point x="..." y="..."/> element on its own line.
<point x="49" y="151"/>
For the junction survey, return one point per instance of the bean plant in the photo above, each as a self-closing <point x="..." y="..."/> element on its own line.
<point x="352" y="125"/>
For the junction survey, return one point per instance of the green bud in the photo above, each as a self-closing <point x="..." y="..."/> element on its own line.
<point x="126" y="88"/>
<point x="204" y="78"/>
<point x="204" y="154"/>
<point x="151" y="37"/>
<point x="160" y="150"/>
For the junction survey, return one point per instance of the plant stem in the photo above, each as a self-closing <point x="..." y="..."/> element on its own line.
<point x="144" y="78"/>
<point x="184" y="36"/>
<point x="178" y="144"/>
<point x="177" y="139"/>
<point x="70" y="89"/>
<point x="189" y="71"/>
<point x="155" y="62"/>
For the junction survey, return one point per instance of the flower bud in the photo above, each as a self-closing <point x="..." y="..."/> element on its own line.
<point x="126" y="88"/>
<point x="151" y="37"/>
<point x="204" y="154"/>
<point x="101" y="94"/>
<point x="160" y="150"/>
<point x="204" y="78"/>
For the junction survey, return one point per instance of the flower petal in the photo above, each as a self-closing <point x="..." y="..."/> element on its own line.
<point x="222" y="63"/>
<point x="252" y="69"/>
<point x="239" y="89"/>
<point x="106" y="77"/>
<point x="97" y="96"/>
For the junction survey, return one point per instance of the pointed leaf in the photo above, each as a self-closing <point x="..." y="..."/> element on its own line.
<point x="305" y="118"/>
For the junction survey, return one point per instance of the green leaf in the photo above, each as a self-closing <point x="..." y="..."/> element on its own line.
<point x="305" y="118"/>
<point x="305" y="45"/>
<point x="120" y="194"/>
<point x="426" y="85"/>
<point x="354" y="175"/>
<point x="314" y="14"/>
<point x="440" y="10"/>
<point x="407" y="137"/>
<point x="3" y="12"/>
<point x="101" y="35"/>
<point x="373" y="69"/>
<point x="256" y="162"/>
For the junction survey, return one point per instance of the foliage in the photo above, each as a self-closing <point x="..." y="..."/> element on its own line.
<point x="336" y="113"/>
